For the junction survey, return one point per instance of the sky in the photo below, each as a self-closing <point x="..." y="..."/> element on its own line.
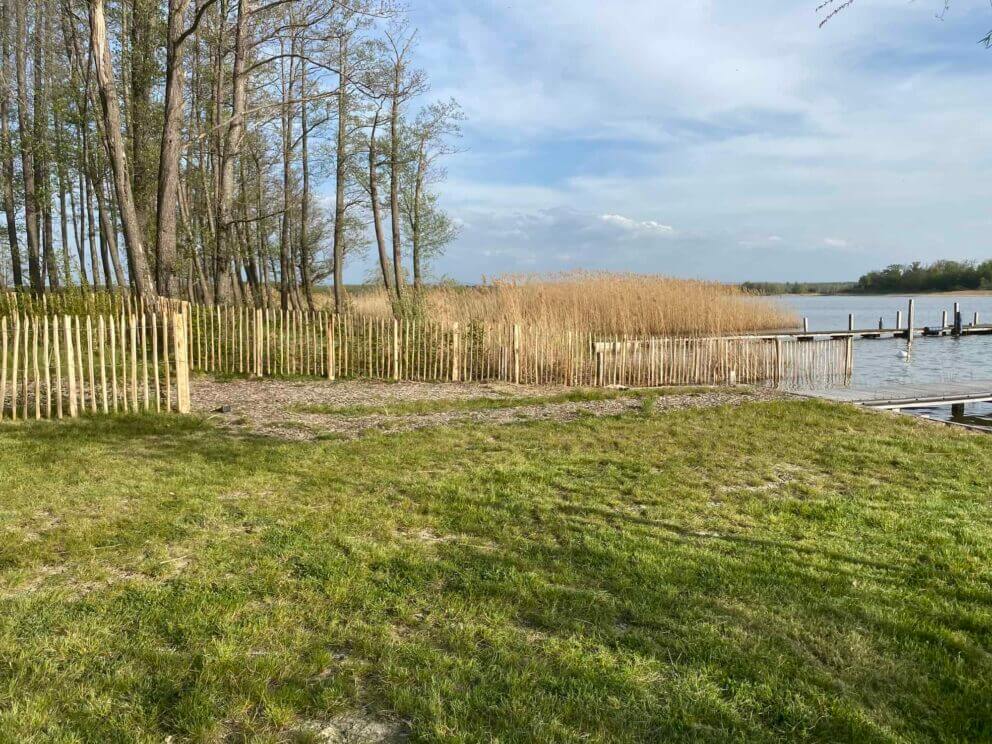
<point x="712" y="138"/>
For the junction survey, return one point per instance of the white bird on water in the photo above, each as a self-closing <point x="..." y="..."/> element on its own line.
<point x="902" y="354"/>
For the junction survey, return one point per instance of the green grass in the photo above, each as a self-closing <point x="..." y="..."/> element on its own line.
<point x="787" y="570"/>
<point x="456" y="405"/>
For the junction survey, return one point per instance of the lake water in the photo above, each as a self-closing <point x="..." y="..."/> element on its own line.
<point x="878" y="362"/>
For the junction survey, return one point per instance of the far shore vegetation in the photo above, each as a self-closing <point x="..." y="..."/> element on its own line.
<point x="917" y="277"/>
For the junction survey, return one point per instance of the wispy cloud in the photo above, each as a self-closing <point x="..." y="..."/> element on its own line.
<point x="744" y="125"/>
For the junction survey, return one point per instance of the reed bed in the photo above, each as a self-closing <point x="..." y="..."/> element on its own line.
<point x="637" y="306"/>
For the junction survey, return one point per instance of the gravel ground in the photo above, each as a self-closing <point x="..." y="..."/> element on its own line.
<point x="269" y="407"/>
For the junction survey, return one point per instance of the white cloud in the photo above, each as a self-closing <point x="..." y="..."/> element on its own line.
<point x="635" y="226"/>
<point x="739" y="122"/>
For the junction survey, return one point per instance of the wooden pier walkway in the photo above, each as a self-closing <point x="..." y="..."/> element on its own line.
<point x="920" y="395"/>
<point x="875" y="333"/>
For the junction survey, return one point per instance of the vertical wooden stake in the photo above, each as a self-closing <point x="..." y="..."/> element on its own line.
<point x="13" y="381"/>
<point x="71" y="368"/>
<point x="48" y="373"/>
<point x="80" y="377"/>
<point x="182" y="364"/>
<point x="37" y="375"/>
<point x="455" y="353"/>
<point x="89" y="359"/>
<point x="101" y="341"/>
<point x="58" y="366"/>
<point x="3" y="364"/>
<point x="165" y="359"/>
<point x="144" y="361"/>
<point x="516" y="353"/>
<point x="396" y="349"/>
<point x="155" y="371"/>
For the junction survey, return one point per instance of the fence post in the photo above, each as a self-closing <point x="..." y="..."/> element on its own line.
<point x="330" y="347"/>
<point x="3" y="363"/>
<point x="181" y="361"/>
<point x="455" y="356"/>
<point x="516" y="353"/>
<point x="396" y="349"/>
<point x="70" y="367"/>
<point x="257" y="346"/>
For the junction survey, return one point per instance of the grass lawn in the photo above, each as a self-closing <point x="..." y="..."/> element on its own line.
<point x="778" y="570"/>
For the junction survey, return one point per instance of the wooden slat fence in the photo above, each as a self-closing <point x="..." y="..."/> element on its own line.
<point x="55" y="366"/>
<point x="268" y="343"/>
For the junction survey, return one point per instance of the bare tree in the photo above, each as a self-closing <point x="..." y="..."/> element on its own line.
<point x="405" y="84"/>
<point x="428" y="139"/>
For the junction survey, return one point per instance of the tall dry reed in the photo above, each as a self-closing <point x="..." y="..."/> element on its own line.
<point x="602" y="303"/>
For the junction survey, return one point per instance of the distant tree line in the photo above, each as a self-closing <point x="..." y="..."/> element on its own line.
<point x="940" y="276"/>
<point x="782" y="288"/>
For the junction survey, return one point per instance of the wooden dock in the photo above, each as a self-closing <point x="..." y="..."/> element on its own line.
<point x="921" y="395"/>
<point x="876" y="333"/>
<point x="951" y="324"/>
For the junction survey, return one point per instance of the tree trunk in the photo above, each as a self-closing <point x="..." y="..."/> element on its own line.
<point x="7" y="155"/>
<point x="141" y="64"/>
<point x="108" y="238"/>
<point x="168" y="164"/>
<point x="141" y="278"/>
<point x="95" y="252"/>
<point x="394" y="183"/>
<point x="42" y="160"/>
<point x="232" y="151"/>
<point x="380" y="239"/>
<point x="285" y="267"/>
<point x="339" y="174"/>
<point x="27" y="152"/>
<point x="305" y="274"/>
<point x="418" y="191"/>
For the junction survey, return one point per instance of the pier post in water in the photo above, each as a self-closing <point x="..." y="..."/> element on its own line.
<point x="911" y="317"/>
<point x="898" y="319"/>
<point x="943" y="320"/>
<point x="805" y="325"/>
<point x="850" y="321"/>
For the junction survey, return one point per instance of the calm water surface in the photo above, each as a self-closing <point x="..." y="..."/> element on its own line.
<point x="878" y="362"/>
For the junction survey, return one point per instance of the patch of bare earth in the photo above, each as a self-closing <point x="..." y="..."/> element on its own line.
<point x="358" y="727"/>
<point x="273" y="407"/>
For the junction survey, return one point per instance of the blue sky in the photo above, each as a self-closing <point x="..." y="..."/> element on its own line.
<point x="712" y="138"/>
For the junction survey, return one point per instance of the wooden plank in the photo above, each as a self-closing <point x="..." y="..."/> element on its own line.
<point x="70" y="368"/>
<point x="182" y="365"/>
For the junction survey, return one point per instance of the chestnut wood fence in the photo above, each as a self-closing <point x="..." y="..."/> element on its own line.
<point x="55" y="366"/>
<point x="140" y="359"/>
<point x="266" y="343"/>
